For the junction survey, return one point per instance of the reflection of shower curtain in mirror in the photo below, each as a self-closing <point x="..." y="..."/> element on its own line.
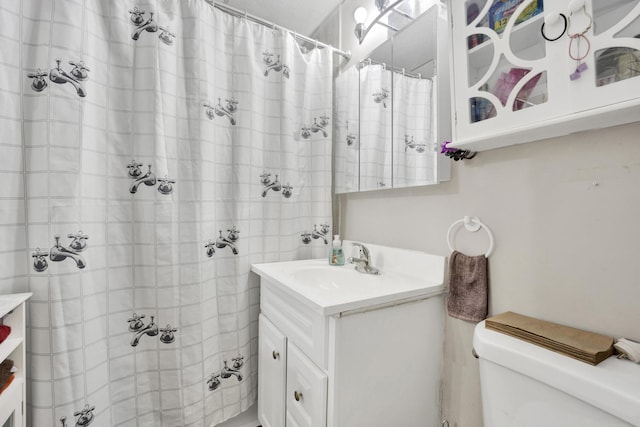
<point x="347" y="141"/>
<point x="413" y="134"/>
<point x="152" y="126"/>
<point x="375" y="127"/>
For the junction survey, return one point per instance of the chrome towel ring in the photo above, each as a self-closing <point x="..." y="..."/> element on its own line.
<point x="473" y="224"/>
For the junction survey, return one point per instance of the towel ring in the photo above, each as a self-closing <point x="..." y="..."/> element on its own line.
<point x="473" y="224"/>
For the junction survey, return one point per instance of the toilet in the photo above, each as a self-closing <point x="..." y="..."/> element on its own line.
<point x="524" y="385"/>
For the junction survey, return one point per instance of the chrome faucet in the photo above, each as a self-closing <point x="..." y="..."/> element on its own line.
<point x="381" y="97"/>
<point x="363" y="262"/>
<point x="232" y="237"/>
<point x="410" y="143"/>
<point x="150" y="26"/>
<point x="136" y="16"/>
<point x="60" y="253"/>
<point x="148" y="179"/>
<point x="135" y="322"/>
<point x="315" y="128"/>
<point x="213" y="381"/>
<point x="277" y="66"/>
<point x="85" y="414"/>
<point x="269" y="185"/>
<point x="319" y="234"/>
<point x="39" y="83"/>
<point x="151" y="329"/>
<point x="79" y="242"/>
<point x="165" y="187"/>
<point x="305" y="131"/>
<point x="228" y="372"/>
<point x="166" y="36"/>
<point x="168" y="336"/>
<point x="320" y="127"/>
<point x="79" y="72"/>
<point x="134" y="169"/>
<point x="232" y="105"/>
<point x="210" y="247"/>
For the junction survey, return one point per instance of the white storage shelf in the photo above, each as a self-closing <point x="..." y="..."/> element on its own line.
<point x="561" y="105"/>
<point x="12" y="313"/>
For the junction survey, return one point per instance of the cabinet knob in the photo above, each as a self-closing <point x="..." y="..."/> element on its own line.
<point x="275" y="355"/>
<point x="297" y="395"/>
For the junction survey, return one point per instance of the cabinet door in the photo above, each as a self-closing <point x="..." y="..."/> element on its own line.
<point x="272" y="362"/>
<point x="506" y="75"/>
<point x="306" y="391"/>
<point x="613" y="75"/>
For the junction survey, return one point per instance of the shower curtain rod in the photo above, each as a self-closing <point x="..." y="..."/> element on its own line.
<point x="243" y="14"/>
<point x="399" y="70"/>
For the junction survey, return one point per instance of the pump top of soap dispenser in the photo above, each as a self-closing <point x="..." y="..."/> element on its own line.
<point x="336" y="241"/>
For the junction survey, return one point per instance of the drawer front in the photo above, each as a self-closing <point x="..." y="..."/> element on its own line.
<point x="272" y="363"/>
<point x="302" y="326"/>
<point x="306" y="398"/>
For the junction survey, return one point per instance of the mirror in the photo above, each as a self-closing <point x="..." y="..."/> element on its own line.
<point x="376" y="82"/>
<point x="392" y="111"/>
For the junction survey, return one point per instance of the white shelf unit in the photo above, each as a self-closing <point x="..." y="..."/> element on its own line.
<point x="557" y="105"/>
<point x="12" y="313"/>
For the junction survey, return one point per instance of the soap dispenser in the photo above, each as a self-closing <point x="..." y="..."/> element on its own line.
<point x="336" y="256"/>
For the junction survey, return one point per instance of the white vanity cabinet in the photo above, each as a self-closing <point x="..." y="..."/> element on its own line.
<point x="272" y="371"/>
<point x="336" y="357"/>
<point x="512" y="86"/>
<point x="12" y="399"/>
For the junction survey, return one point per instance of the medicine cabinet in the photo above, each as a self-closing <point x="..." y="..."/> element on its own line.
<point x="527" y="71"/>
<point x="393" y="111"/>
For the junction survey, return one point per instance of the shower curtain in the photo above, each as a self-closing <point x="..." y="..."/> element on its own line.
<point x="347" y="128"/>
<point x="414" y="159"/>
<point x="375" y="127"/>
<point x="151" y="151"/>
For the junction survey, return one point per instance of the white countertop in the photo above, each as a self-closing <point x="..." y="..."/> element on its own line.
<point x="330" y="290"/>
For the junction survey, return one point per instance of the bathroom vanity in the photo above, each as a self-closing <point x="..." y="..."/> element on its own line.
<point x="343" y="348"/>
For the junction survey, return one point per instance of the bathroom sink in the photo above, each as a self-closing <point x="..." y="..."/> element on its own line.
<point x="335" y="289"/>
<point x="331" y="277"/>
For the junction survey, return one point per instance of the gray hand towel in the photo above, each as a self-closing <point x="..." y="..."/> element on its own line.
<point x="468" y="297"/>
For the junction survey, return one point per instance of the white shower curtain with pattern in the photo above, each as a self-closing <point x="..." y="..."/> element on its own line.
<point x="415" y="153"/>
<point x="375" y="127"/>
<point x="347" y="128"/>
<point x="151" y="151"/>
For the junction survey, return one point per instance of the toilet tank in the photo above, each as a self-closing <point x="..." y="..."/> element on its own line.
<point x="524" y="385"/>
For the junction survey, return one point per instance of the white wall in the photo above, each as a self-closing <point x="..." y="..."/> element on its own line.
<point x="565" y="214"/>
<point x="566" y="219"/>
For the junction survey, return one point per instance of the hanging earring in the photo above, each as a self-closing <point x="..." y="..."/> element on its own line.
<point x="577" y="37"/>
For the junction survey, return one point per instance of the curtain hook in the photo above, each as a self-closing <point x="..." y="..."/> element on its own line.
<point x="403" y="72"/>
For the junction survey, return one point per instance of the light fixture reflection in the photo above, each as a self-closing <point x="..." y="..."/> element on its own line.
<point x="360" y="16"/>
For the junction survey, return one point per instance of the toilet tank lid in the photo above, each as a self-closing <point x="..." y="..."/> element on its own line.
<point x="613" y="385"/>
